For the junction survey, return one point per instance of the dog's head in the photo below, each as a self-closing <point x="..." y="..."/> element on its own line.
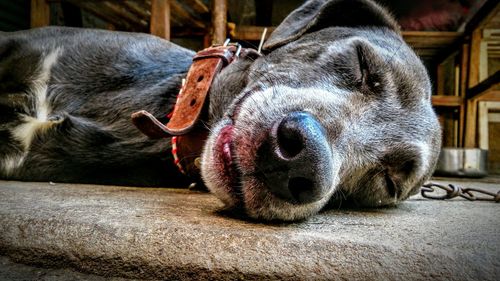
<point x="339" y="106"/>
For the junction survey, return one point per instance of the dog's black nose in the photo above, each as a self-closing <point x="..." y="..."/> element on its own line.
<point x="295" y="162"/>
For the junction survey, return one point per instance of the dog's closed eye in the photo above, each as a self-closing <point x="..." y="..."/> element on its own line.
<point x="400" y="165"/>
<point x="390" y="185"/>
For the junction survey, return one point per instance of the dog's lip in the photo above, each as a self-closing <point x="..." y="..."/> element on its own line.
<point x="224" y="143"/>
<point x="224" y="149"/>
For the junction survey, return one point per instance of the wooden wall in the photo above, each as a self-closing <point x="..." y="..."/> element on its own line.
<point x="14" y="15"/>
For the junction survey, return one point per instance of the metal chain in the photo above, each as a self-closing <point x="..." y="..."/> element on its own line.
<point x="453" y="191"/>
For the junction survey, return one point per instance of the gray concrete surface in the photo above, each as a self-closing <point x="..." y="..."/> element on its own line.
<point x="12" y="271"/>
<point x="178" y="234"/>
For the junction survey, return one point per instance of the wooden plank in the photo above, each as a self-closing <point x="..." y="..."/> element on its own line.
<point x="470" y="125"/>
<point x="185" y="19"/>
<point x="482" y="125"/>
<point x="464" y="65"/>
<point x="440" y="79"/>
<point x="449" y="101"/>
<point x="179" y="17"/>
<point x="426" y="44"/>
<point x="433" y="45"/>
<point x="491" y="83"/>
<point x="431" y="39"/>
<point x="494" y="117"/>
<point x="419" y="39"/>
<point x="40" y="13"/>
<point x="483" y="61"/>
<point x="197" y="6"/>
<point x="493" y="105"/>
<point x="97" y="9"/>
<point x="120" y="11"/>
<point x="250" y="33"/>
<point x="136" y="8"/>
<point x="434" y="54"/>
<point x="475" y="58"/>
<point x="491" y="33"/>
<point x="160" y="18"/>
<point x="490" y="95"/>
<point x="219" y="21"/>
<point x="461" y="125"/>
<point x="174" y="19"/>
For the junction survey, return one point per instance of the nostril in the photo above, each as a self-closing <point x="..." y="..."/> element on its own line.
<point x="295" y="159"/>
<point x="302" y="189"/>
<point x="290" y="140"/>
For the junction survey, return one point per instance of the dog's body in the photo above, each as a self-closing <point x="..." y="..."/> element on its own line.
<point x="338" y="105"/>
<point x="66" y="100"/>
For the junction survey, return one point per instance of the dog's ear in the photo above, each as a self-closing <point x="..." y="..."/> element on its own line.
<point x="318" y="14"/>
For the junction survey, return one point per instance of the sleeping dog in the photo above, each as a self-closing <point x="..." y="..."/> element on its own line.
<point x="337" y="108"/>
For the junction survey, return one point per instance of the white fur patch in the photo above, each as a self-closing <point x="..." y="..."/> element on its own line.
<point x="40" y="85"/>
<point x="25" y="132"/>
<point x="11" y="163"/>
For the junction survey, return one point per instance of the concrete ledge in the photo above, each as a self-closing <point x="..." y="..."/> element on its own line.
<point x="12" y="271"/>
<point x="178" y="234"/>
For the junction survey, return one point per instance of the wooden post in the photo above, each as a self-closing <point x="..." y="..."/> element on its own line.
<point x="464" y="71"/>
<point x="40" y="13"/>
<point x="475" y="58"/>
<point x="470" y="125"/>
<point x="219" y="21"/>
<point x="207" y="41"/>
<point x="474" y="64"/>
<point x="483" y="125"/>
<point x="160" y="18"/>
<point x="440" y="79"/>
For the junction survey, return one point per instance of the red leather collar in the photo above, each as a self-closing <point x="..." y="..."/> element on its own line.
<point x="188" y="110"/>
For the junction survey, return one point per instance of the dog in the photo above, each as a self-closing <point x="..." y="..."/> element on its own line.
<point x="337" y="108"/>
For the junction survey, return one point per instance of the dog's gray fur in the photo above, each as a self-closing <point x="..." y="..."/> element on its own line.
<point x="66" y="96"/>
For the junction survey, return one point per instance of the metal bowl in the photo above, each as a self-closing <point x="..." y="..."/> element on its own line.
<point x="462" y="162"/>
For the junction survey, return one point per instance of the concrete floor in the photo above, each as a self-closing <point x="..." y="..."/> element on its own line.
<point x="87" y="232"/>
<point x="12" y="271"/>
